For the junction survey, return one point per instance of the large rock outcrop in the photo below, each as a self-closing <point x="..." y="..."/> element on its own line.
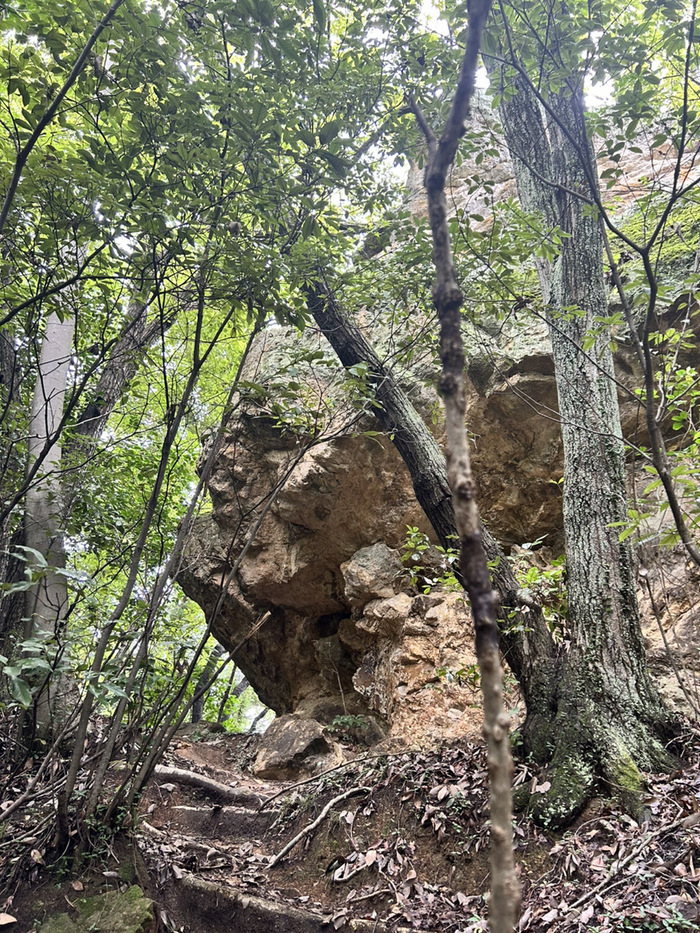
<point x="298" y="561"/>
<point x="319" y="603"/>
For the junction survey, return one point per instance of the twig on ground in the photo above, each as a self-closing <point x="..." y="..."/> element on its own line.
<point x="623" y="863"/>
<point x="317" y="777"/>
<point x="307" y="830"/>
<point x="365" y="897"/>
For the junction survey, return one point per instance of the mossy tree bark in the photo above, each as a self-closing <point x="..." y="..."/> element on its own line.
<point x="605" y="719"/>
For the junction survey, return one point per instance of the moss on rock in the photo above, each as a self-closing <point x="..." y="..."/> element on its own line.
<point x="113" y="912"/>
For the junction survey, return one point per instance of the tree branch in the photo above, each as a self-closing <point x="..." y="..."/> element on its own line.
<point x="353" y="792"/>
<point x="448" y="298"/>
<point x="51" y="110"/>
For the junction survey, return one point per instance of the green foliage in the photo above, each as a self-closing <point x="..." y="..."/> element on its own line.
<point x="231" y="711"/>
<point x="678" y="397"/>
<point x="648" y="921"/>
<point x="208" y="160"/>
<point x="545" y="583"/>
<point x="469" y="676"/>
<point x="172" y="179"/>
<point x="427" y="565"/>
<point x="202" y="167"/>
<point x="349" y="726"/>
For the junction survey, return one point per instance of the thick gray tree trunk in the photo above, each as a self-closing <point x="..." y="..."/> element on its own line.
<point x="606" y="718"/>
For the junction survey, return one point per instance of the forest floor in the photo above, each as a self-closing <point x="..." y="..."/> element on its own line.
<point x="402" y="846"/>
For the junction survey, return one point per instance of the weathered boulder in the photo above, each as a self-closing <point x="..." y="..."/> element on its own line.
<point x="325" y="621"/>
<point x="292" y="745"/>
<point x="313" y="527"/>
<point x="371" y="573"/>
<point x="422" y="679"/>
<point x="298" y="561"/>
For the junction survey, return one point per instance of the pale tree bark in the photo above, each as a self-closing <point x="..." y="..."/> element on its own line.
<point x="606" y="719"/>
<point x="12" y="604"/>
<point x="47" y="600"/>
<point x="121" y="359"/>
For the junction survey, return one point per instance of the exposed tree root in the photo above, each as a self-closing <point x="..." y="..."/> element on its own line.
<point x="243" y="798"/>
<point x="307" y="830"/>
<point x="592" y="742"/>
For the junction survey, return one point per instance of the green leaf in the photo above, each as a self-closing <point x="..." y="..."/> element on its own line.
<point x="20" y="691"/>
<point x="329" y="131"/>
<point x="336" y="163"/>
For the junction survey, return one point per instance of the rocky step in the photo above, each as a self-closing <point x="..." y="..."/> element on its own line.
<point x="200" y="905"/>
<point x="216" y="822"/>
<point x="209" y="862"/>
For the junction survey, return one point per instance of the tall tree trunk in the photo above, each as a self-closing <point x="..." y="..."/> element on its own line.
<point x="122" y="359"/>
<point x="121" y="365"/>
<point x="11" y="568"/>
<point x="504" y="906"/>
<point x="606" y="719"/>
<point x="47" y="600"/>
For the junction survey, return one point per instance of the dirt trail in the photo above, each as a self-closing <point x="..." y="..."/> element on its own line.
<point x="401" y="843"/>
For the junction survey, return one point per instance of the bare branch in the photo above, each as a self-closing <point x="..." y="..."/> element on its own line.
<point x="448" y="298"/>
<point x="353" y="792"/>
